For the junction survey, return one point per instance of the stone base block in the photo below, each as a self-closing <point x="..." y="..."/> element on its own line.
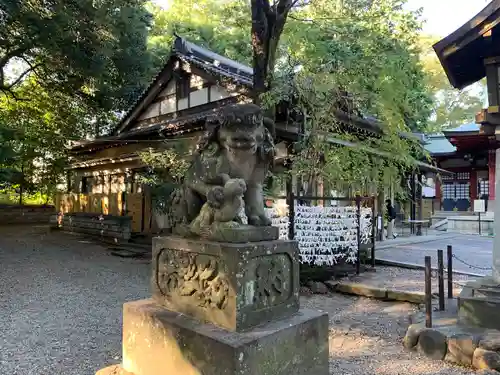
<point x="479" y="304"/>
<point x="234" y="286"/>
<point x="113" y="370"/>
<point x="157" y="341"/>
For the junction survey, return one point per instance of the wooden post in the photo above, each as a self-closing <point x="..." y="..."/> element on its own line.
<point x="413" y="207"/>
<point x="441" y="279"/>
<point x="428" y="293"/>
<point x="290" y="200"/>
<point x="450" y="271"/>
<point x="381" y="211"/>
<point x="358" y="232"/>
<point x="374" y="223"/>
<point x="21" y="185"/>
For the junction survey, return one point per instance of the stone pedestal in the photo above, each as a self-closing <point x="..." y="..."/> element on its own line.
<point x="235" y="286"/>
<point x="157" y="341"/>
<point x="479" y="303"/>
<point x="222" y="308"/>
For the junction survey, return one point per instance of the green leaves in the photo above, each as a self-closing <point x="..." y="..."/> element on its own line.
<point x="360" y="56"/>
<point x="451" y="108"/>
<point x="221" y="26"/>
<point x="95" y="50"/>
<point x="67" y="67"/>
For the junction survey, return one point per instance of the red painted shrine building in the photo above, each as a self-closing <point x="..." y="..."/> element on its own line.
<point x="468" y="55"/>
<point x="470" y="154"/>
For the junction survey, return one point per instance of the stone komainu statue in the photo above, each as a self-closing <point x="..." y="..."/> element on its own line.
<point x="227" y="172"/>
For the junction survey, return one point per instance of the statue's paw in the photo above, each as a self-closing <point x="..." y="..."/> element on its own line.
<point x="259" y="221"/>
<point x="266" y="222"/>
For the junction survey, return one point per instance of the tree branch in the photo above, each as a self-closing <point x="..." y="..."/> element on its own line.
<point x="8" y="92"/>
<point x="20" y="78"/>
<point x="17" y="52"/>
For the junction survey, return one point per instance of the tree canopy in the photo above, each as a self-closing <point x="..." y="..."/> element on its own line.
<point x="451" y="107"/>
<point x="67" y="69"/>
<point x="360" y="55"/>
<point x="96" y="50"/>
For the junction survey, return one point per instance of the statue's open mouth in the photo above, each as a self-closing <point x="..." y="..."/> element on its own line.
<point x="242" y="145"/>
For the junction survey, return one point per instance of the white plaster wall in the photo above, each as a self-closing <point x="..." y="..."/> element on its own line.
<point x="218" y="93"/>
<point x="198" y="97"/>
<point x="182" y="104"/>
<point x="169" y="90"/>
<point x="167" y="105"/>
<point x="152" y="111"/>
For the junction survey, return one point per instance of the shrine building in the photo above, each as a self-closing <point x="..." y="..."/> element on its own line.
<point x="470" y="153"/>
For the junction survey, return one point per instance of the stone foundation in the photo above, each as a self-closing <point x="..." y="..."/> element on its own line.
<point x="15" y="214"/>
<point x="454" y="342"/>
<point x="93" y="224"/>
<point x="160" y="342"/>
<point x="479" y="304"/>
<point x="470" y="224"/>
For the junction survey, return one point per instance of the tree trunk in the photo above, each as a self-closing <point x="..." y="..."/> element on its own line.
<point x="21" y="186"/>
<point x="268" y="23"/>
<point x="261" y="11"/>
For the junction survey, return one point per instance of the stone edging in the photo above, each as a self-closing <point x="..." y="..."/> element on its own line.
<point x="375" y="292"/>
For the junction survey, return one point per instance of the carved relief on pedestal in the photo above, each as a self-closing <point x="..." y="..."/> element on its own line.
<point x="197" y="277"/>
<point x="272" y="279"/>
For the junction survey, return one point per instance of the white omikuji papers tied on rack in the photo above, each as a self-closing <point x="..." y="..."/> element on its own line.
<point x="325" y="234"/>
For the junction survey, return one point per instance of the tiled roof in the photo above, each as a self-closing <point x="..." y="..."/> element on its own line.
<point x="438" y="144"/>
<point x="212" y="61"/>
<point x="465" y="128"/>
<point x="203" y="59"/>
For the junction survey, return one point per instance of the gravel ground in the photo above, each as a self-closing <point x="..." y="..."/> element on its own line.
<point x="61" y="304"/>
<point x="366" y="338"/>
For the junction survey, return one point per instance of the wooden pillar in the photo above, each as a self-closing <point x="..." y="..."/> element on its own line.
<point x="473" y="186"/>
<point x="390" y="224"/>
<point x="439" y="192"/>
<point x="68" y="182"/>
<point x="320" y="191"/>
<point x="414" y="200"/>
<point x="491" y="174"/>
<point x="381" y="212"/>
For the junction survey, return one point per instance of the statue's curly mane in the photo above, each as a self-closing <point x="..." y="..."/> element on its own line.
<point x="231" y="115"/>
<point x="210" y="166"/>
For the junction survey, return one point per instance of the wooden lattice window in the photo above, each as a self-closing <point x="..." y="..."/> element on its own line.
<point x="448" y="191"/>
<point x="484" y="187"/>
<point x="462" y="191"/>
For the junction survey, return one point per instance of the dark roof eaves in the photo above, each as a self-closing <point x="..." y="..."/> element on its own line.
<point x="183" y="50"/>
